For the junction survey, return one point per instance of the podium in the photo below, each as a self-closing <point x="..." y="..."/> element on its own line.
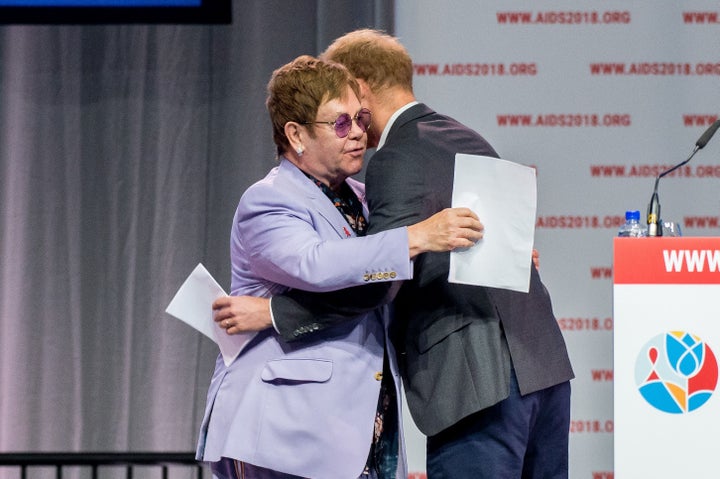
<point x="666" y="310"/>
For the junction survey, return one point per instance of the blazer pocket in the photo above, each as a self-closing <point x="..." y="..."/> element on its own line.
<point x="440" y="329"/>
<point x="297" y="370"/>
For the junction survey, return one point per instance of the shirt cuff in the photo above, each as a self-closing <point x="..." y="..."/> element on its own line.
<point x="272" y="316"/>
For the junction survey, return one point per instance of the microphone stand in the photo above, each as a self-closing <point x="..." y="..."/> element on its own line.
<point x="653" y="216"/>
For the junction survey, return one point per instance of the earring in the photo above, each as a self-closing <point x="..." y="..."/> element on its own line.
<point x="299" y="151"/>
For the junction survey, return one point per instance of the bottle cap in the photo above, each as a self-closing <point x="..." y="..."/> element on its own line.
<point x="632" y="215"/>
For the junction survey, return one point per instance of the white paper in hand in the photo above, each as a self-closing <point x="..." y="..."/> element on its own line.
<point x="192" y="304"/>
<point x="504" y="196"/>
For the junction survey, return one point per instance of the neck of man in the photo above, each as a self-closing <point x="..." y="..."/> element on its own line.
<point x="385" y="103"/>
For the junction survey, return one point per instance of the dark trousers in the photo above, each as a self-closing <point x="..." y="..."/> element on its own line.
<point x="521" y="437"/>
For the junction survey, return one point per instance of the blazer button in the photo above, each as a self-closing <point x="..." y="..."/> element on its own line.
<point x="378" y="376"/>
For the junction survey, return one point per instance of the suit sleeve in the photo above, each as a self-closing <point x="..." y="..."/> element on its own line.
<point x="297" y="313"/>
<point x="285" y="247"/>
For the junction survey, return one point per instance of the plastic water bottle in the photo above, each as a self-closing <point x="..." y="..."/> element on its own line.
<point x="632" y="227"/>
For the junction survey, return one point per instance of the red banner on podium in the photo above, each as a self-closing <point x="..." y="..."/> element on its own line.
<point x="667" y="261"/>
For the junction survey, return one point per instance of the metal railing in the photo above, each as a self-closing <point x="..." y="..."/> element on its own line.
<point x="27" y="461"/>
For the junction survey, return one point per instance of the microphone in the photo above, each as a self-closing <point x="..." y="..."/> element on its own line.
<point x="653" y="215"/>
<point x="703" y="140"/>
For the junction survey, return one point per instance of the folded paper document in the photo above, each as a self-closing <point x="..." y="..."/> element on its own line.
<point x="504" y="196"/>
<point x="192" y="304"/>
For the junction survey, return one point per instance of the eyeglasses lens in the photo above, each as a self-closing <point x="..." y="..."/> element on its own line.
<point x="343" y="124"/>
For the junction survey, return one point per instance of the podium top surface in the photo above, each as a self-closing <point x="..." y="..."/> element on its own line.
<point x="683" y="260"/>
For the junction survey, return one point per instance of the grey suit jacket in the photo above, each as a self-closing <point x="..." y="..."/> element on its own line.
<point x="457" y="344"/>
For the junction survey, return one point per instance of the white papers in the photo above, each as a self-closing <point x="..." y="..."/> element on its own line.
<point x="192" y="304"/>
<point x="504" y="196"/>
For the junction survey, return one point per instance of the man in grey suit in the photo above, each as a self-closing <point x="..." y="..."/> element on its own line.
<point x="485" y="371"/>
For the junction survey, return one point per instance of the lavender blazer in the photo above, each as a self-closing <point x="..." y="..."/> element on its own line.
<point x="305" y="407"/>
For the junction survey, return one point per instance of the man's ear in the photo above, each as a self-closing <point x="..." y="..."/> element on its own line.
<point x="364" y="90"/>
<point x="293" y="132"/>
<point x="367" y="97"/>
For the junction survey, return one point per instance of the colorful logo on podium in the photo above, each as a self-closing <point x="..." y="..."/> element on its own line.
<point x="676" y="372"/>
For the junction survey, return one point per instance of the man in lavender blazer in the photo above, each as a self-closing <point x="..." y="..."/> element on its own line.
<point x="306" y="407"/>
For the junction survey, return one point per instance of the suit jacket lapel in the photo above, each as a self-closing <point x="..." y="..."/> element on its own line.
<point x="297" y="180"/>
